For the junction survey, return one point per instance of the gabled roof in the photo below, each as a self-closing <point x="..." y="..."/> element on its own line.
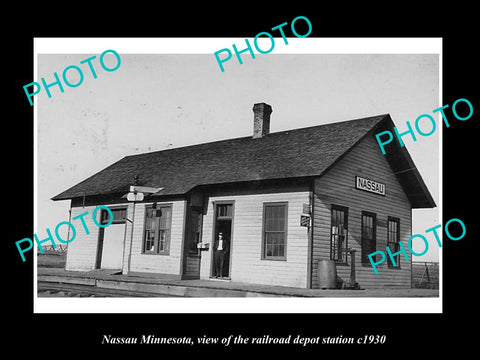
<point x="295" y="153"/>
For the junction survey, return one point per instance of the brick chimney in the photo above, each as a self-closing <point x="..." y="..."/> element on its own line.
<point x="261" y="120"/>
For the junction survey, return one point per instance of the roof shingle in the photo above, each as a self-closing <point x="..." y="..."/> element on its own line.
<point x="295" y="153"/>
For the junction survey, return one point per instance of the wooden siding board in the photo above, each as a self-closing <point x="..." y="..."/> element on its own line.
<point x="82" y="251"/>
<point x="337" y="187"/>
<point x="246" y="263"/>
<point x="164" y="264"/>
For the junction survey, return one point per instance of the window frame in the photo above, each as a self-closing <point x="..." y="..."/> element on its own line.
<point x="264" y="255"/>
<point x="343" y="259"/>
<point x="365" y="252"/>
<point x="389" y="242"/>
<point x="156" y="239"/>
<point x="218" y="207"/>
<point x="105" y="216"/>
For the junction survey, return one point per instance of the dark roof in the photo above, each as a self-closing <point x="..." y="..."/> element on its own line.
<point x="295" y="153"/>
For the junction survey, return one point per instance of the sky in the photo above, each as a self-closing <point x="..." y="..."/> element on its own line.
<point x="158" y="101"/>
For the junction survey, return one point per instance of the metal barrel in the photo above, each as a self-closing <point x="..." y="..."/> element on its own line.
<point x="327" y="274"/>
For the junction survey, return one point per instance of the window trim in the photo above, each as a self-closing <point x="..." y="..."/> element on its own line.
<point x="374" y="226"/>
<point x="263" y="255"/>
<point x="215" y="203"/>
<point x="389" y="261"/>
<point x="156" y="240"/>
<point x="343" y="260"/>
<point x="222" y="217"/>
<point x="113" y="208"/>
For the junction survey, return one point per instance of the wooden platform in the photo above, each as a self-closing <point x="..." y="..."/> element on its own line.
<point x="208" y="288"/>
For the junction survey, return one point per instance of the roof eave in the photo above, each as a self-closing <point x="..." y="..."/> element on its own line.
<point x="405" y="170"/>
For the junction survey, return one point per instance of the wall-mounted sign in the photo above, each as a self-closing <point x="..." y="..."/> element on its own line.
<point x="135" y="196"/>
<point x="304" y="220"/>
<point x="203" y="246"/>
<point x="369" y="185"/>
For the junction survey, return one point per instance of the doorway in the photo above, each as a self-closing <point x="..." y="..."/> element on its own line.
<point x="223" y="224"/>
<point x="111" y="239"/>
<point x="192" y="254"/>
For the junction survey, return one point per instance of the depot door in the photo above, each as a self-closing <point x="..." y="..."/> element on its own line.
<point x="223" y="223"/>
<point x="192" y="254"/>
<point x="111" y="240"/>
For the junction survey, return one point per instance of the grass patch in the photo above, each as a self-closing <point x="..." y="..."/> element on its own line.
<point x="52" y="259"/>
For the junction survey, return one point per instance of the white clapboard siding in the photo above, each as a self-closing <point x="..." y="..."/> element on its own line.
<point x="82" y="251"/>
<point x="155" y="263"/>
<point x="338" y="187"/>
<point x="246" y="249"/>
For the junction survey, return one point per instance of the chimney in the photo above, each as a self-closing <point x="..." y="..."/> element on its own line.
<point x="261" y="120"/>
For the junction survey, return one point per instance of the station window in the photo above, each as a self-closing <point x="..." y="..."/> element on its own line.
<point x="338" y="235"/>
<point x="158" y="220"/>
<point x="119" y="216"/>
<point x="369" y="238"/>
<point x="393" y="238"/>
<point x="274" y="231"/>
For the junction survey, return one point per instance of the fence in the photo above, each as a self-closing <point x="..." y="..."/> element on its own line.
<point x="425" y="275"/>
<point x="50" y="249"/>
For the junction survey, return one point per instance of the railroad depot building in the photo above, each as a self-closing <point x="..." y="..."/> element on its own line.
<point x="283" y="201"/>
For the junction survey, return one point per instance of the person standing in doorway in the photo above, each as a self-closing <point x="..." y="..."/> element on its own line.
<point x="220" y="250"/>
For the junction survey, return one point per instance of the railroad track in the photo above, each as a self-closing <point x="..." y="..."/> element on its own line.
<point x="53" y="289"/>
